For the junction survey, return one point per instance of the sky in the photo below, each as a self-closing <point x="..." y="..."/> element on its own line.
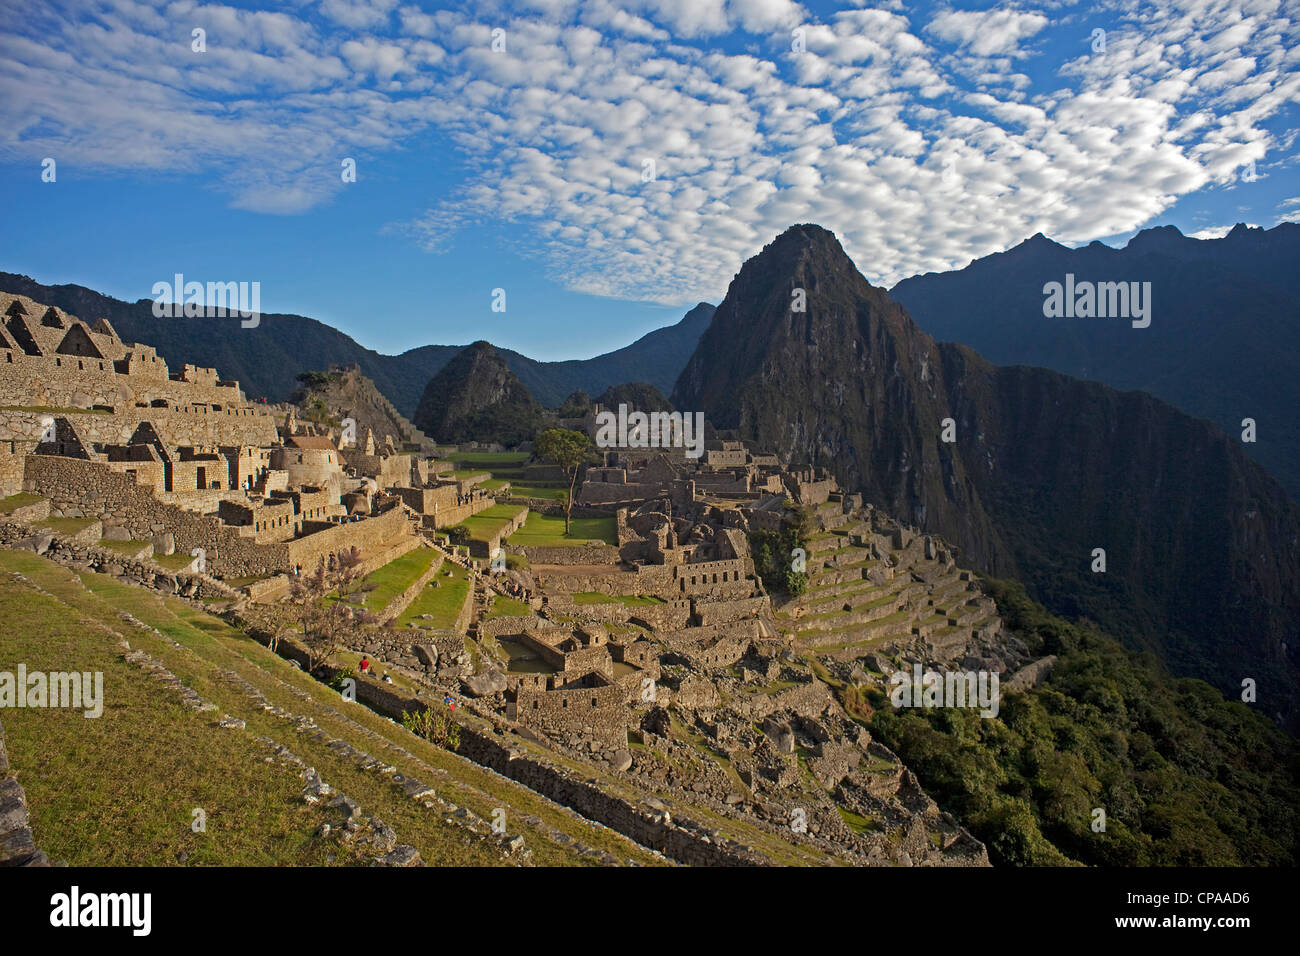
<point x="610" y="163"/>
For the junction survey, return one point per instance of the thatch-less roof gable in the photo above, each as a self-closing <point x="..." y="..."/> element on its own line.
<point x="104" y="327"/>
<point x="53" y="319"/>
<point x="22" y="334"/>
<point x="16" y="308"/>
<point x="78" y="342"/>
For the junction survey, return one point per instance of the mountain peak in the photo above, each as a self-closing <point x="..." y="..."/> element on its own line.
<point x="1156" y="239"/>
<point x="800" y="247"/>
<point x="476" y="396"/>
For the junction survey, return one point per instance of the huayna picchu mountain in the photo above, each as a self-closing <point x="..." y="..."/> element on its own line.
<point x="475" y="397"/>
<point x="1202" y="547"/>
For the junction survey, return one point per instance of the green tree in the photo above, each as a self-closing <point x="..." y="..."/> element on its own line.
<point x="568" y="449"/>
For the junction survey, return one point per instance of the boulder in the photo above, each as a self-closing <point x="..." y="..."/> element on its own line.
<point x="621" y="760"/>
<point x="164" y="543"/>
<point x="116" y="533"/>
<point x="39" y="542"/>
<point x="426" y="654"/>
<point x="403" y="855"/>
<point x="489" y="682"/>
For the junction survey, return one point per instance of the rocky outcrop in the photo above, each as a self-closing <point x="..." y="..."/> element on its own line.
<point x="477" y="398"/>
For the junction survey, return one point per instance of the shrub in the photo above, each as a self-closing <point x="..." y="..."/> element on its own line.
<point x="435" y="724"/>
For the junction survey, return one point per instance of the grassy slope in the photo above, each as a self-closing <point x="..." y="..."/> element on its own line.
<point x="119" y="790"/>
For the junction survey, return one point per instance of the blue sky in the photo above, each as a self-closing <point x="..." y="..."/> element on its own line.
<point x="923" y="135"/>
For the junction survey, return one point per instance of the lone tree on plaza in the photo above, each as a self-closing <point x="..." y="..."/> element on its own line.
<point x="568" y="449"/>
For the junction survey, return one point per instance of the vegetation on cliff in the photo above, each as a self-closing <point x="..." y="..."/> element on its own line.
<point x="1183" y="776"/>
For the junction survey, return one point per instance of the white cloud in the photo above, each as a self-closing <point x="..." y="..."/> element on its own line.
<point x="988" y="32"/>
<point x="921" y="143"/>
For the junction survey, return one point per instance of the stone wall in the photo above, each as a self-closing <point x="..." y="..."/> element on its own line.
<point x="403" y="600"/>
<point x="371" y="535"/>
<point x="11" y="466"/>
<point x="596" y="712"/>
<point x="78" y="554"/>
<point x="568" y="554"/>
<point x="724" y="612"/>
<point x="607" y="493"/>
<point x="79" y="488"/>
<point x="679" y="837"/>
<point x="200" y="426"/>
<point x="17" y="847"/>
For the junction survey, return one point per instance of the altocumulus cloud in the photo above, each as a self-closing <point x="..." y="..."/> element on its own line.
<point x="917" y="136"/>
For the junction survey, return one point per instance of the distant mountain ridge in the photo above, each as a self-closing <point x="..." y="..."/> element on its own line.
<point x="266" y="360"/>
<point x="1201" y="544"/>
<point x="1224" y="338"/>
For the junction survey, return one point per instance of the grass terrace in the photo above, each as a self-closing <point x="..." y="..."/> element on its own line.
<point x="176" y="562"/>
<point x="381" y="586"/>
<point x="490" y="522"/>
<point x="21" y="500"/>
<point x="536" y="491"/>
<point x="67" y="526"/>
<point x="631" y="600"/>
<point x="503" y="606"/>
<point x="155" y="760"/>
<point x="548" y="530"/>
<point x="130" y="549"/>
<point x="443" y="602"/>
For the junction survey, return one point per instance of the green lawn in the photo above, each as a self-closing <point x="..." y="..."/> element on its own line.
<point x="631" y="600"/>
<point x="443" y="602"/>
<point x="503" y="606"/>
<point x="489" y="522"/>
<point x="67" y="526"/>
<point x="543" y="530"/>
<point x="534" y="491"/>
<point x="176" y="562"/>
<point x="20" y="500"/>
<point x="462" y="473"/>
<point x="119" y="790"/>
<point x="382" y="585"/>
<point x="128" y="548"/>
